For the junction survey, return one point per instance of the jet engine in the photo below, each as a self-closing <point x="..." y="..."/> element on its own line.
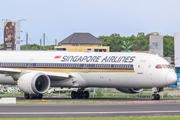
<point x="34" y="83"/>
<point x="129" y="90"/>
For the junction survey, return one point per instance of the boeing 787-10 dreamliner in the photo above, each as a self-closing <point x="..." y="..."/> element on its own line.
<point x="34" y="72"/>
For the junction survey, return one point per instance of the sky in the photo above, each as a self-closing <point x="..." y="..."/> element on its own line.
<point x="60" y="18"/>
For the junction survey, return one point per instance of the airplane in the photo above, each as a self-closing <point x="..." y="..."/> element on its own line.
<point x="34" y="72"/>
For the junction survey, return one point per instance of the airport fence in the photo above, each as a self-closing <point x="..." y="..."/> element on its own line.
<point x="168" y="93"/>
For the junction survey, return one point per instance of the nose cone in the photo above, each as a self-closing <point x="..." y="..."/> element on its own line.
<point x="171" y="77"/>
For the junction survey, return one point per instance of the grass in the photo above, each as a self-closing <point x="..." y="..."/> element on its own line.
<point x="110" y="118"/>
<point x="108" y="94"/>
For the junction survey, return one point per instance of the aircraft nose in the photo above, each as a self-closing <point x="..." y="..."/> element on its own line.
<point x="171" y="77"/>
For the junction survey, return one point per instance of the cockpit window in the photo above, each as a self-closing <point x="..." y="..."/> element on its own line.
<point x="170" y="66"/>
<point x="158" y="66"/>
<point x="165" y="66"/>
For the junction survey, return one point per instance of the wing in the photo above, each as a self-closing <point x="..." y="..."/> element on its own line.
<point x="16" y="73"/>
<point x="57" y="76"/>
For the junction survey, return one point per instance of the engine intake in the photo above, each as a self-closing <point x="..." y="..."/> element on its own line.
<point x="129" y="90"/>
<point x="34" y="83"/>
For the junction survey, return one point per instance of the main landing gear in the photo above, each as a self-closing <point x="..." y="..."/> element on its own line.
<point x="32" y="96"/>
<point x="80" y="94"/>
<point x="156" y="96"/>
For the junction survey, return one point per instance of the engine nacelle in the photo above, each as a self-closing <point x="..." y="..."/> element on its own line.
<point x="34" y="83"/>
<point x="129" y="90"/>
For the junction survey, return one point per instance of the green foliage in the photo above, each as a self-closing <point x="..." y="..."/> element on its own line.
<point x="1" y="46"/>
<point x="137" y="43"/>
<point x="144" y="95"/>
<point x="132" y="43"/>
<point x="168" y="44"/>
<point x="126" y="46"/>
<point x="33" y="47"/>
<point x="37" y="47"/>
<point x="99" y="93"/>
<point x="30" y="47"/>
<point x="114" y="41"/>
<point x="165" y="94"/>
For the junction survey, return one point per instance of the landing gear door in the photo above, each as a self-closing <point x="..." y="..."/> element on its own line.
<point x="141" y="65"/>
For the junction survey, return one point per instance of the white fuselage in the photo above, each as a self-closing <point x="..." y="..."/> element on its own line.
<point x="92" y="69"/>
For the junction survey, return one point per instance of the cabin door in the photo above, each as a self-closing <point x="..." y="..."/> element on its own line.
<point x="141" y="65"/>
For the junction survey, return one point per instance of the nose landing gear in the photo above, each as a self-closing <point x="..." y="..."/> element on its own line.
<point x="156" y="96"/>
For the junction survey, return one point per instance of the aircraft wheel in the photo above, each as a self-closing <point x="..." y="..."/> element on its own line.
<point x="80" y="94"/>
<point x="73" y="94"/>
<point x="26" y="95"/>
<point x="31" y="96"/>
<point x="39" y="96"/>
<point x="86" y="94"/>
<point x="158" y="97"/>
<point x="153" y="97"/>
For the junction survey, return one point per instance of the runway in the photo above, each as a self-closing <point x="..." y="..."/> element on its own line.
<point x="89" y="110"/>
<point x="58" y="99"/>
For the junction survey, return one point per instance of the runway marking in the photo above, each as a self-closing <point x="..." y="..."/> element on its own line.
<point x="52" y="113"/>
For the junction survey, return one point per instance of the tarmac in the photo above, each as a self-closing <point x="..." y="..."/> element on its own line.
<point x="92" y="107"/>
<point x="98" y="100"/>
<point x="88" y="110"/>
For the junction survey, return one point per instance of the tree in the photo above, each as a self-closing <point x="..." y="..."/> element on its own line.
<point x="168" y="46"/>
<point x="31" y="47"/>
<point x="154" y="33"/>
<point x="126" y="46"/>
<point x="114" y="41"/>
<point x="37" y="47"/>
<point x="137" y="43"/>
<point x="1" y="46"/>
